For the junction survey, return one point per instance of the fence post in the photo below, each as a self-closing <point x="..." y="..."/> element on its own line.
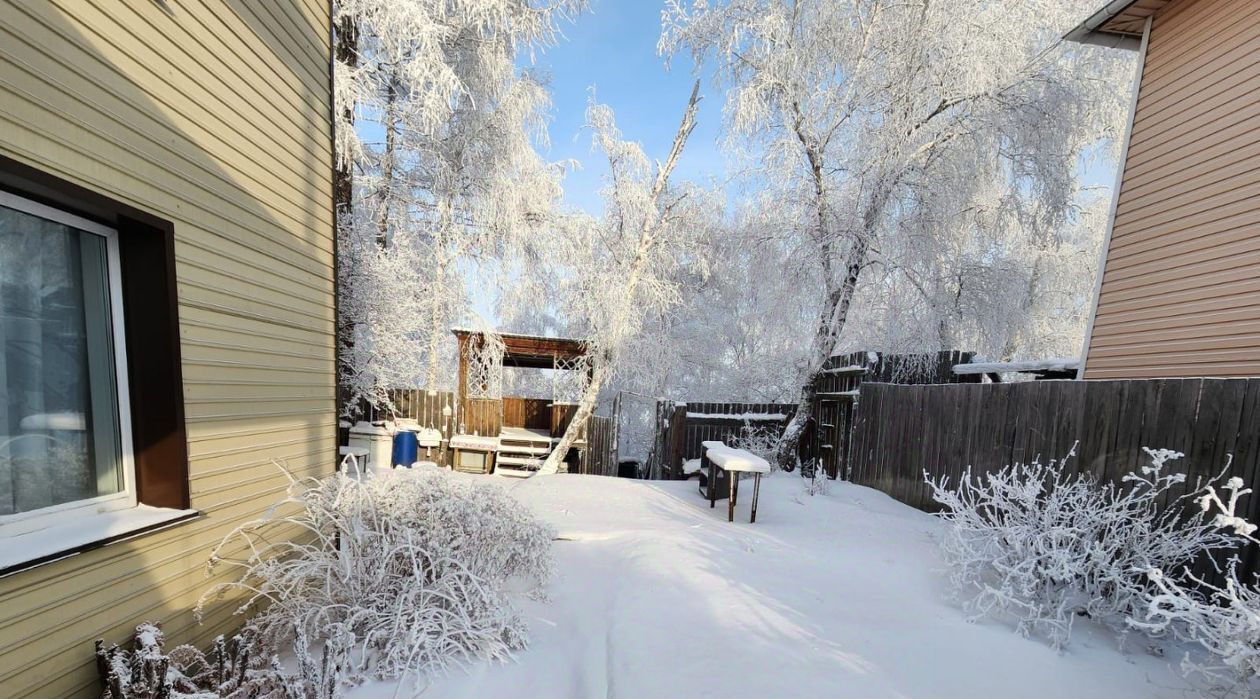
<point x="677" y="440"/>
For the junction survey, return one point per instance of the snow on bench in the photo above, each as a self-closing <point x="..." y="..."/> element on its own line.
<point x="474" y="442"/>
<point x="732" y="459"/>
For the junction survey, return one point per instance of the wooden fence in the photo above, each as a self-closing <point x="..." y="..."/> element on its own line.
<point x="599" y="456"/>
<point x="930" y="368"/>
<point x="598" y="442"/>
<point x="682" y="427"/>
<point x="425" y="407"/>
<point x="901" y="432"/>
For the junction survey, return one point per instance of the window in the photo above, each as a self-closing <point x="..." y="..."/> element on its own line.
<point x="93" y="444"/>
<point x="65" y="433"/>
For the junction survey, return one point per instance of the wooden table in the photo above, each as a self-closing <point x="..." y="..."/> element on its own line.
<point x="734" y="462"/>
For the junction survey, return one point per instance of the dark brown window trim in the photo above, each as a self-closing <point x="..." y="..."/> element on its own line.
<point x="151" y="317"/>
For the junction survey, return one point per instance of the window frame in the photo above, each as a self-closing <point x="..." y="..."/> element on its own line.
<point x="42" y="518"/>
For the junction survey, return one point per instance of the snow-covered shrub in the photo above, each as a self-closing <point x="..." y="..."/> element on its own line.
<point x="234" y="669"/>
<point x="398" y="573"/>
<point x="758" y="439"/>
<point x="1223" y="620"/>
<point x="1041" y="546"/>
<point x="816" y="479"/>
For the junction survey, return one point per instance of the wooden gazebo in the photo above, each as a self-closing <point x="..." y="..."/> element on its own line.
<point x="527" y="427"/>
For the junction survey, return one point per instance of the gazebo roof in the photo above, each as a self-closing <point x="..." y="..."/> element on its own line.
<point x="529" y="351"/>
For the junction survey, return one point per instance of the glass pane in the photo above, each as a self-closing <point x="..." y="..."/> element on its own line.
<point x="59" y="435"/>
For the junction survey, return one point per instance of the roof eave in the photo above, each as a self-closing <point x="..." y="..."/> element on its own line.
<point x="1092" y="30"/>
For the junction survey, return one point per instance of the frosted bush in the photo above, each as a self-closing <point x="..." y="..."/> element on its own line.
<point x="406" y="572"/>
<point x="1040" y="546"/>
<point x="1222" y="620"/>
<point x="758" y="439"/>
<point x="232" y="669"/>
<point x="816" y="480"/>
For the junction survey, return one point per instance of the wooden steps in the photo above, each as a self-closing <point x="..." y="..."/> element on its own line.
<point x="521" y="452"/>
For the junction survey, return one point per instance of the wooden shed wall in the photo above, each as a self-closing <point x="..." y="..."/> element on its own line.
<point x="213" y="114"/>
<point x="1180" y="294"/>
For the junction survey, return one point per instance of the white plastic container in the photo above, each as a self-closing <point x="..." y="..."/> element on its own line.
<point x="377" y="440"/>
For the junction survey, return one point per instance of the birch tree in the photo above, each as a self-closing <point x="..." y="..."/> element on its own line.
<point x="873" y="121"/>
<point x="439" y="125"/>
<point x="620" y="268"/>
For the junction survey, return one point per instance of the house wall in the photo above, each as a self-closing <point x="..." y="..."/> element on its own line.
<point x="1180" y="294"/>
<point x="212" y="114"/>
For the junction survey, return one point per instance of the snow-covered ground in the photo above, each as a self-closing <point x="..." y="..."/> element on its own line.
<point x="834" y="595"/>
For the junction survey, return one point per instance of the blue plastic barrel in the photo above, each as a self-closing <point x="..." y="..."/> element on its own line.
<point x="405" y="449"/>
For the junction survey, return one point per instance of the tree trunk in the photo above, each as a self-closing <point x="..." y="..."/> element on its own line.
<point x="387" y="194"/>
<point x="834" y="316"/>
<point x="586" y="407"/>
<point x="436" y="329"/>
<point x="346" y="53"/>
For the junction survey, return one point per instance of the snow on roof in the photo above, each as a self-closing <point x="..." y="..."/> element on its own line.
<point x="504" y="333"/>
<point x="1054" y="364"/>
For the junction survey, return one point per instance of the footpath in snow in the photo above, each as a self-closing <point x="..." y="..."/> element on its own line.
<point x="834" y="595"/>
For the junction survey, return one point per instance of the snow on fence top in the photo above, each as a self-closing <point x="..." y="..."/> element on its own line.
<point x="745" y="417"/>
<point x="1055" y="364"/>
<point x="851" y="369"/>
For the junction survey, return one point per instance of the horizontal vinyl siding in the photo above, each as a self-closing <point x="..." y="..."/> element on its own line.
<point x="1180" y="294"/>
<point x="212" y="114"/>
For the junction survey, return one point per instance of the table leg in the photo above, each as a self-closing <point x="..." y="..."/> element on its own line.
<point x="735" y="492"/>
<point x="756" y="491"/>
<point x="712" y="485"/>
<point x="730" y="501"/>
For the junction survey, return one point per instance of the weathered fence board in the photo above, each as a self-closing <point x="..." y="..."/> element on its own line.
<point x="599" y="458"/>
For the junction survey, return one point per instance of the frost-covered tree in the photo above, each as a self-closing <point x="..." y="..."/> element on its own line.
<point x="734" y="335"/>
<point x="991" y="289"/>
<point x="438" y="125"/>
<point x="876" y="123"/>
<point x="621" y="268"/>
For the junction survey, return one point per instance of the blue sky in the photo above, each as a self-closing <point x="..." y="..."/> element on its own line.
<point x="611" y="49"/>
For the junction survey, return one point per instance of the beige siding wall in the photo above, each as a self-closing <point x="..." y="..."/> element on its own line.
<point x="1181" y="290"/>
<point x="212" y="114"/>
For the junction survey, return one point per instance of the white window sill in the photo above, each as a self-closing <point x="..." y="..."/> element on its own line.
<point x="82" y="532"/>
